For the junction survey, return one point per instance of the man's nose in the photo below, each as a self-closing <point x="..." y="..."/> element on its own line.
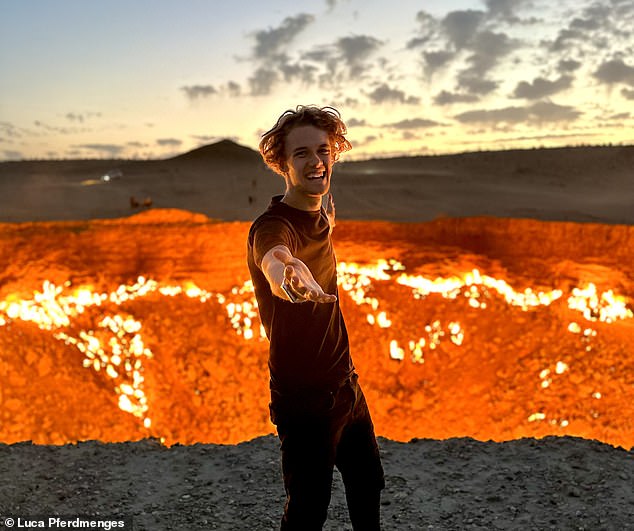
<point x="316" y="159"/>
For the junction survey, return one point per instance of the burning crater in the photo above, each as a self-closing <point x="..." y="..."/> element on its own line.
<point x="147" y="326"/>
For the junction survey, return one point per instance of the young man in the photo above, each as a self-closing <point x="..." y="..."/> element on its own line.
<point x="317" y="404"/>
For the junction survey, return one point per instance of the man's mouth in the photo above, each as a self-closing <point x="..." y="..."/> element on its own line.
<point x="316" y="176"/>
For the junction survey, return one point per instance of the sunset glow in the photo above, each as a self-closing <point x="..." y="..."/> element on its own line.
<point x="426" y="78"/>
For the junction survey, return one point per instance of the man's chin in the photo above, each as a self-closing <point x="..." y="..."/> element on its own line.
<point x="318" y="192"/>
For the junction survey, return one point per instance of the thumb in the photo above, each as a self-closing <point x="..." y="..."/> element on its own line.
<point x="282" y="257"/>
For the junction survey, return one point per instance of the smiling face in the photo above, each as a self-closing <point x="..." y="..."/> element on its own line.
<point x="308" y="167"/>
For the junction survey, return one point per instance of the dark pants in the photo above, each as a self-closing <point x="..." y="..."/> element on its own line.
<point x="319" y="431"/>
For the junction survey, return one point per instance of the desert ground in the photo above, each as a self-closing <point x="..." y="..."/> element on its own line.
<point x="229" y="182"/>
<point x="539" y="218"/>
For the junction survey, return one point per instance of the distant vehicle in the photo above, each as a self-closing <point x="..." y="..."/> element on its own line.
<point x="111" y="176"/>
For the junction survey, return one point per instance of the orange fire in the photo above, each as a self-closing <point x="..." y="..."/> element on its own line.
<point x="440" y="355"/>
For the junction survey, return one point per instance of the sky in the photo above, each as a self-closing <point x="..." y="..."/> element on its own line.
<point x="155" y="78"/>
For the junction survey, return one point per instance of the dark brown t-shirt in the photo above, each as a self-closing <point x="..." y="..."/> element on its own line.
<point x="308" y="341"/>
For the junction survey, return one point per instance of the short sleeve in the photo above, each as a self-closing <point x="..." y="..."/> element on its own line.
<point x="268" y="233"/>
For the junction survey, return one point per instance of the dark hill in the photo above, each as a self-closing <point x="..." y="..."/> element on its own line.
<point x="225" y="150"/>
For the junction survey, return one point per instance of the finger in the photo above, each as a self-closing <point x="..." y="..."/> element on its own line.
<point x="300" y="290"/>
<point x="320" y="296"/>
<point x="289" y="273"/>
<point x="297" y="286"/>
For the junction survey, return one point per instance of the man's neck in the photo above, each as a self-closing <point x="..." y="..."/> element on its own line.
<point x="308" y="203"/>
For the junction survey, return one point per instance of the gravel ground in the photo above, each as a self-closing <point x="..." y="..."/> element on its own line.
<point x="528" y="484"/>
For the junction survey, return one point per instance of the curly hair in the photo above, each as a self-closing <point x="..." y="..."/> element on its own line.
<point x="273" y="143"/>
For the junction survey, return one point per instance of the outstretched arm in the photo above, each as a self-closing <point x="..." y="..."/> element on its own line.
<point x="290" y="279"/>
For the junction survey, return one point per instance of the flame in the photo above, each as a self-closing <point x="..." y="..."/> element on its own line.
<point x="605" y="307"/>
<point x="477" y="287"/>
<point x="116" y="347"/>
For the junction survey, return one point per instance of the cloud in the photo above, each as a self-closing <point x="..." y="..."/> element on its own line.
<point x="81" y="117"/>
<point x="194" y="92"/>
<point x="568" y="65"/>
<point x="172" y="142"/>
<point x="627" y="94"/>
<point x="562" y="42"/>
<point x="59" y="130"/>
<point x="615" y="71"/>
<point x="429" y="28"/>
<point x="319" y="54"/>
<point x="461" y="26"/>
<point x="112" y="150"/>
<point x="599" y="26"/>
<point x="488" y="47"/>
<point x="353" y="52"/>
<point x="305" y="73"/>
<point x="620" y="116"/>
<point x="474" y="84"/>
<point x="437" y="59"/>
<point x="541" y="87"/>
<point x="556" y="136"/>
<point x="11" y="154"/>
<point x="409" y="135"/>
<point x="369" y="139"/>
<point x="262" y="81"/>
<point x="448" y="98"/>
<point x="344" y="101"/>
<point x="356" y="49"/>
<point x="234" y="89"/>
<point x="10" y="131"/>
<point x="344" y="59"/>
<point x="537" y="113"/>
<point x="413" y="123"/>
<point x="355" y="122"/>
<point x="268" y="42"/>
<point x="481" y="116"/>
<point x="319" y="65"/>
<point x="545" y="111"/>
<point x="386" y="94"/>
<point x="585" y="24"/>
<point x="467" y="36"/>
<point x="505" y="9"/>
<point x="75" y="117"/>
